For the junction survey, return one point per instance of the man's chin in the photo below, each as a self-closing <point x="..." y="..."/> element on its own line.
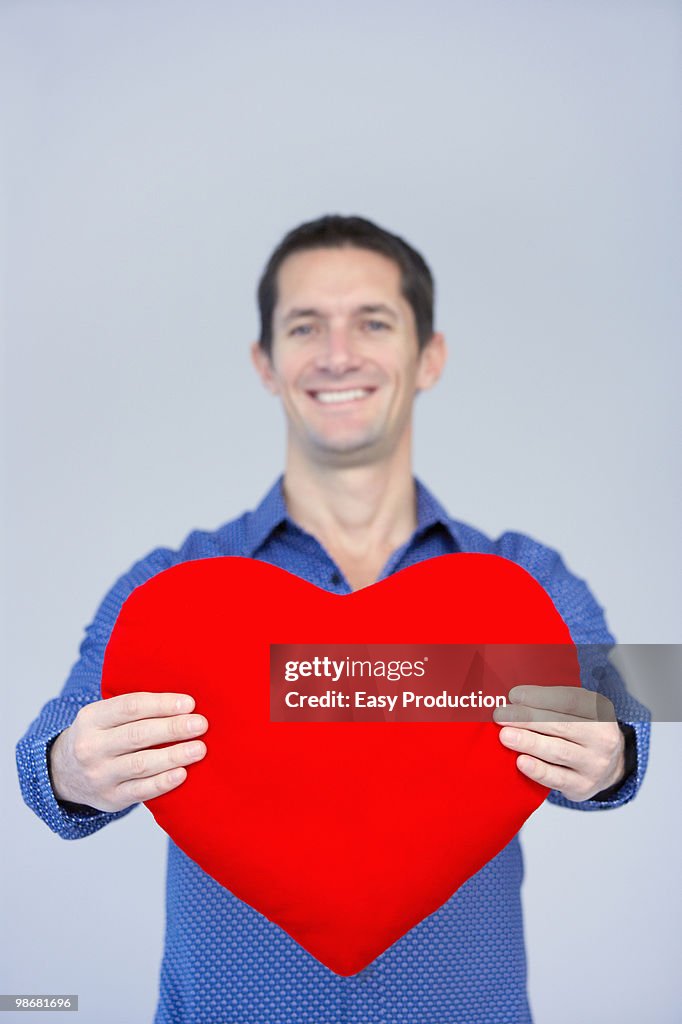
<point x="344" y="451"/>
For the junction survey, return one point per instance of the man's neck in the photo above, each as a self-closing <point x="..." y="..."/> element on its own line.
<point x="358" y="512"/>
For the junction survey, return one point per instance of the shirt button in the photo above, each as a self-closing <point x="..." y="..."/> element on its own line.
<point x="335" y="579"/>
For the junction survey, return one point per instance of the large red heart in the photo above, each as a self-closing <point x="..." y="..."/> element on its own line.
<point x="345" y="834"/>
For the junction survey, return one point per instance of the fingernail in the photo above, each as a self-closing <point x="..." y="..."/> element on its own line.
<point x="184" y="704"/>
<point x="510" y="736"/>
<point x="196" y="723"/>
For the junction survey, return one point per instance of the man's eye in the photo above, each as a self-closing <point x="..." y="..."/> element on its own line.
<point x="376" y="325"/>
<point x="301" y="330"/>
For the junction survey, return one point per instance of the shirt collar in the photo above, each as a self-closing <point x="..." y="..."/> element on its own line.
<point x="265" y="519"/>
<point x="272" y="512"/>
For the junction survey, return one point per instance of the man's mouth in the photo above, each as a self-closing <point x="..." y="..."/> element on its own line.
<point x="334" y="397"/>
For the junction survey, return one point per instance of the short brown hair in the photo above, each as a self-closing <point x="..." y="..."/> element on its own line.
<point x="335" y="231"/>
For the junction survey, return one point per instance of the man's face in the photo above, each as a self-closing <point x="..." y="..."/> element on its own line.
<point x="345" y="358"/>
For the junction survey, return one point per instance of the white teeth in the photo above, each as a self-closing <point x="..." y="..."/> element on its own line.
<point x="341" y="396"/>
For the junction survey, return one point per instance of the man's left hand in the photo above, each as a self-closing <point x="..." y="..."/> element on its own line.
<point x="567" y="738"/>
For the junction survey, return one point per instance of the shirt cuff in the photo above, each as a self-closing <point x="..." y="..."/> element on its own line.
<point x="67" y="820"/>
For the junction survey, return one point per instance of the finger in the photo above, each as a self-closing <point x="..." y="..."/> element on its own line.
<point x="520" y="713"/>
<point x="576" y="730"/>
<point x="138" y="790"/>
<point x="131" y="707"/>
<point x="551" y="775"/>
<point x="568" y="700"/>
<point x="144" y="764"/>
<point x="551" y="749"/>
<point x="152" y="732"/>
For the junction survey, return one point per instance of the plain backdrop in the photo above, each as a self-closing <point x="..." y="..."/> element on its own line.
<point x="153" y="154"/>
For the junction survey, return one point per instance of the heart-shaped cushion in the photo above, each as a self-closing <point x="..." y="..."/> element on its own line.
<point x="346" y="834"/>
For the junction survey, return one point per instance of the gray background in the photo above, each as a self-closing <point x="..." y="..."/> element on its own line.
<point x="154" y="153"/>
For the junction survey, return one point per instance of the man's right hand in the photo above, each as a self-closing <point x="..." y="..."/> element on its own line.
<point x="103" y="759"/>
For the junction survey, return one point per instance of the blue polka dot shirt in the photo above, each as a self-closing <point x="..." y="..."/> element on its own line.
<point x="223" y="963"/>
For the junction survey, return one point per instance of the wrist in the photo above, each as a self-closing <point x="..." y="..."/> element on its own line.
<point x="56" y="768"/>
<point x="627" y="762"/>
<point x="618" y="773"/>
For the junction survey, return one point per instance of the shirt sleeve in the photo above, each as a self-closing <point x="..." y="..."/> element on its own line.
<point x="83" y="686"/>
<point x="586" y="621"/>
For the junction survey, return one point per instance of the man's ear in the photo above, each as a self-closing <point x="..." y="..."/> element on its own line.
<point x="263" y="363"/>
<point x="432" y="359"/>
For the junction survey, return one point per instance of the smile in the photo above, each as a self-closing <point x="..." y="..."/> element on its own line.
<point x="349" y="395"/>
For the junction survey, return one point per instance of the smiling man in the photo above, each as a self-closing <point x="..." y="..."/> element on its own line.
<point x="346" y="344"/>
<point x="344" y="356"/>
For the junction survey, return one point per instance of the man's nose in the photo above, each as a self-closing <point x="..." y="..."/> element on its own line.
<point x="339" y="350"/>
